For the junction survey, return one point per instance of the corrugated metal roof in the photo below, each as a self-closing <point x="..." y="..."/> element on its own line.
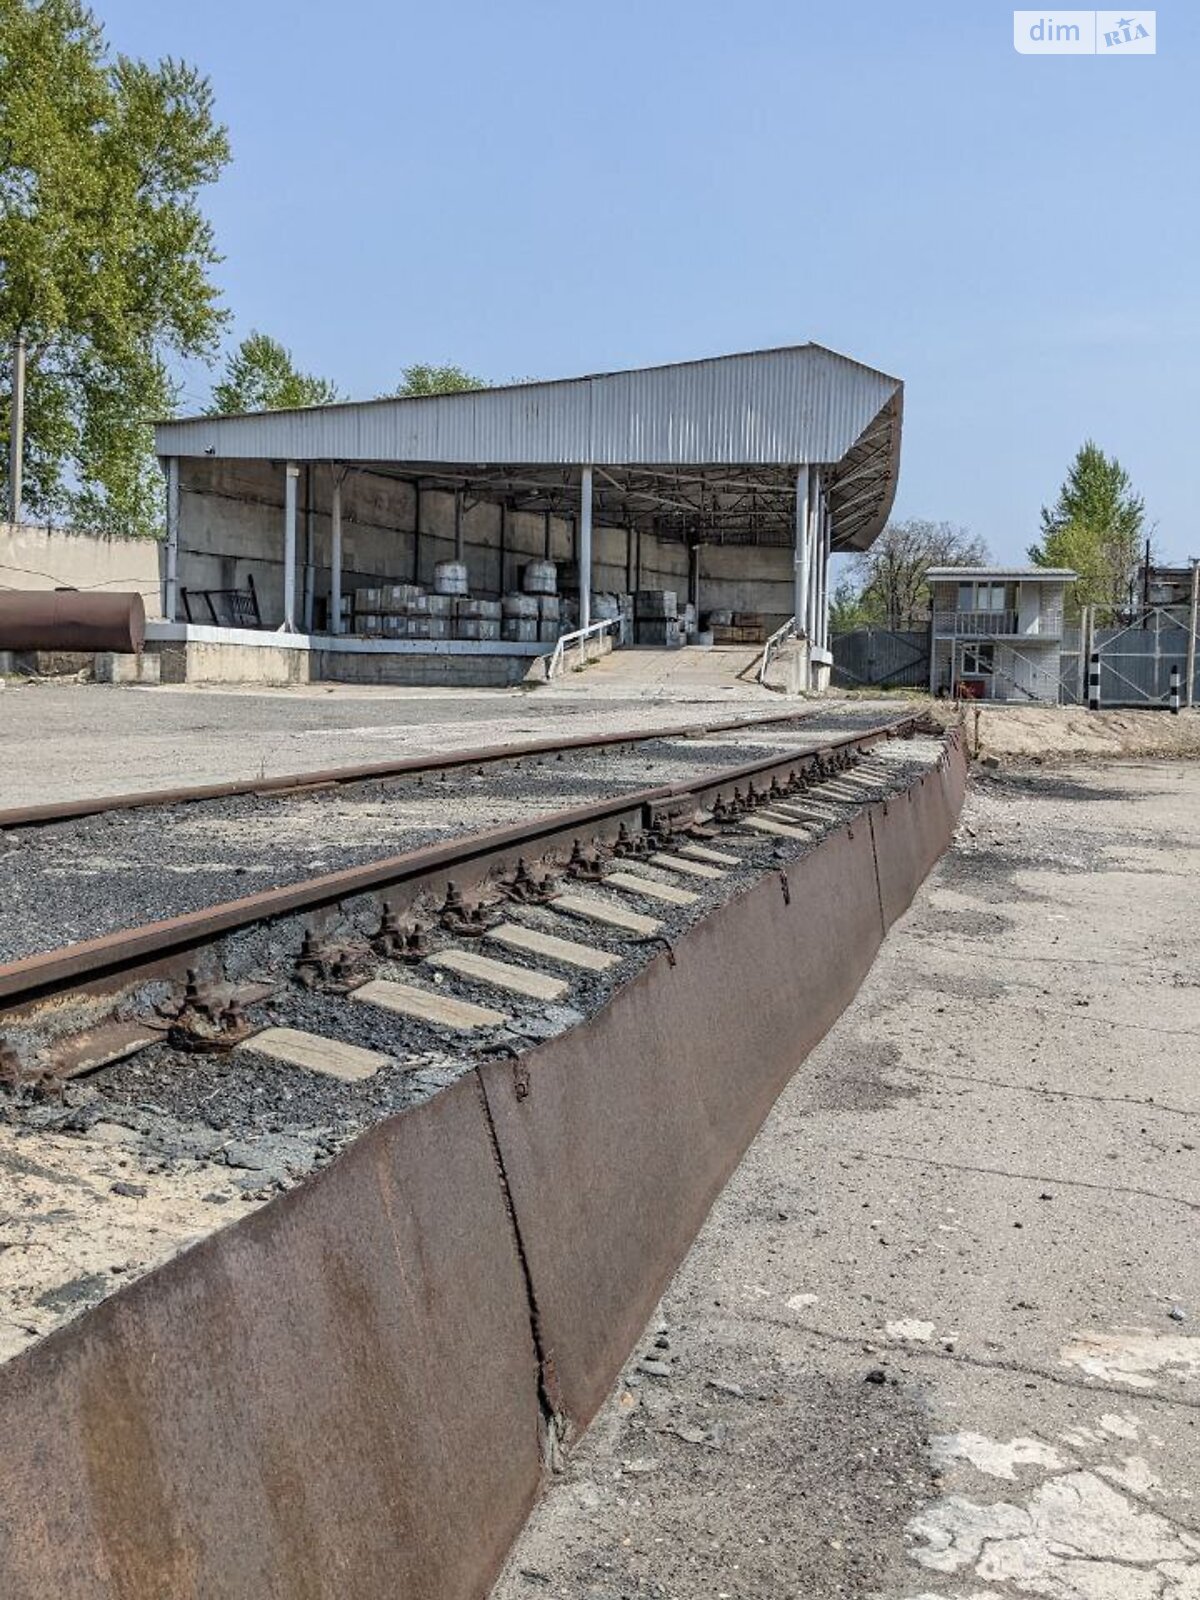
<point x="954" y="574"/>
<point x="798" y="404"/>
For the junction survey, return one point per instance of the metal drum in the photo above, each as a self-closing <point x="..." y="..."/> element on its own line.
<point x="63" y="619"/>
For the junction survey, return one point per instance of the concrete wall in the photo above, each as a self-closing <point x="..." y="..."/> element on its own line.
<point x="54" y="558"/>
<point x="231" y="528"/>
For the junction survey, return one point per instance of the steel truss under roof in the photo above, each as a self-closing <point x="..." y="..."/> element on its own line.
<point x="704" y="451"/>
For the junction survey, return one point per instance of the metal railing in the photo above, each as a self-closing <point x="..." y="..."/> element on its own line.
<point x="554" y="661"/>
<point x="997" y="624"/>
<point x="772" y="645"/>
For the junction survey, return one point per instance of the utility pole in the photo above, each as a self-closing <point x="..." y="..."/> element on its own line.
<point x="16" y="435"/>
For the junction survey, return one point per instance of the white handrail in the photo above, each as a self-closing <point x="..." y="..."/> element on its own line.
<point x="555" y="659"/>
<point x="773" y="643"/>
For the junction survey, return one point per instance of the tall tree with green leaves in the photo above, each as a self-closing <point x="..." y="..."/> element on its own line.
<point x="422" y="378"/>
<point x="105" y="257"/>
<point x="260" y="375"/>
<point x="1095" y="527"/>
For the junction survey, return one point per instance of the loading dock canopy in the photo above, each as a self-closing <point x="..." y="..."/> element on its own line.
<point x="701" y="450"/>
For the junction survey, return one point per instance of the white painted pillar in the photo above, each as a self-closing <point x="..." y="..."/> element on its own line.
<point x="801" y="554"/>
<point x="335" y="554"/>
<point x="814" y="554"/>
<point x="585" y="547"/>
<point x="290" y="480"/>
<point x="823" y="618"/>
<point x="171" y="575"/>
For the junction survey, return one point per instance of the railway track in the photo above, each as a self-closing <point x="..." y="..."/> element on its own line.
<point x="571" y="893"/>
<point x="424" y="766"/>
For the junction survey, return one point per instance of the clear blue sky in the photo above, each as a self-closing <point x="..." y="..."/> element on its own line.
<point x="537" y="190"/>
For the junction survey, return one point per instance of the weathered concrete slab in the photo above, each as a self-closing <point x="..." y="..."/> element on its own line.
<point x="427" y="1006"/>
<point x="314" y="1053"/>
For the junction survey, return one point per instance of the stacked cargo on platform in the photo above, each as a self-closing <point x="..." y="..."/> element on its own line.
<point x="408" y="611"/>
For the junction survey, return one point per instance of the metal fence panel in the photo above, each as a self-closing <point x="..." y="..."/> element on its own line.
<point x="881" y="658"/>
<point x="1136" y="659"/>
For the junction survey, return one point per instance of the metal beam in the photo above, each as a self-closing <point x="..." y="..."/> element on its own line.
<point x="335" y="554"/>
<point x="585" y="547"/>
<point x="291" y="478"/>
<point x="171" y="554"/>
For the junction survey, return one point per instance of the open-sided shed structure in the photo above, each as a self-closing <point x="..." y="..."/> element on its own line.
<point x="792" y="453"/>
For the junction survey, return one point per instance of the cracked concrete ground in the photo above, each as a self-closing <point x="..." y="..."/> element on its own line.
<point x="940" y="1338"/>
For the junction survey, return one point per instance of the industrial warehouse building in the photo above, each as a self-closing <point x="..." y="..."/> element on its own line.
<point x="455" y="538"/>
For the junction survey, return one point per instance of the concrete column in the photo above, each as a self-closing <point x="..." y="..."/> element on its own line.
<point x="335" y="554"/>
<point x="800" y="553"/>
<point x="171" y="574"/>
<point x="585" y="547"/>
<point x="290" y="480"/>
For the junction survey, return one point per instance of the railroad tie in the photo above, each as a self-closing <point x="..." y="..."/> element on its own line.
<point x="581" y="905"/>
<point x="719" y="858"/>
<point x="333" y="1058"/>
<point x="585" y="956"/>
<point x="781" y="829"/>
<point x="690" y="869"/>
<point x="634" y="883"/>
<point x="426" y="1005"/>
<point x="501" y="974"/>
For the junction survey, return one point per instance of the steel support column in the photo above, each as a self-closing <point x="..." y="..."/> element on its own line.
<point x="16" y="432"/>
<point x="290" y="480"/>
<point x="335" y="553"/>
<point x="171" y="553"/>
<point x="801" y="553"/>
<point x="585" y="547"/>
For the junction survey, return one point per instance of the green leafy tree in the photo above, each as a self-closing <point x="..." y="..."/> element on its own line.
<point x="105" y="256"/>
<point x="847" y="609"/>
<point x="260" y="375"/>
<point x="1096" y="528"/>
<point x="422" y="378"/>
<point x="891" y="575"/>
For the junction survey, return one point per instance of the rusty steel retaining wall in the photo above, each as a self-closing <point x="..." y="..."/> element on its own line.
<point x="348" y="1394"/>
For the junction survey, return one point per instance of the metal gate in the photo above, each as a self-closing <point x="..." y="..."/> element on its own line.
<point x="881" y="658"/>
<point x="1136" y="659"/>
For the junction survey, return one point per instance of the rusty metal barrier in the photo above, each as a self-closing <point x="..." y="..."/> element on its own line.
<point x="348" y="1394"/>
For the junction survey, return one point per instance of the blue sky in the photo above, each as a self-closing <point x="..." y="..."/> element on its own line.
<point x="537" y="190"/>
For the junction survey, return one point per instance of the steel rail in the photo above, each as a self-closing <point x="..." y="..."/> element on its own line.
<point x="411" y="766"/>
<point x="39" y="976"/>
